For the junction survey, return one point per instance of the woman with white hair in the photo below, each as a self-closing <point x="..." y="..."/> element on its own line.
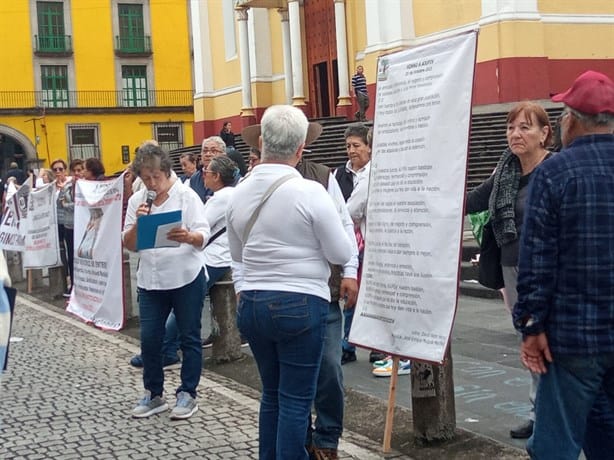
<point x="283" y="231"/>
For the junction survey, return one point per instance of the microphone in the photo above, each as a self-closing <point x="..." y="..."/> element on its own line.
<point x="151" y="196"/>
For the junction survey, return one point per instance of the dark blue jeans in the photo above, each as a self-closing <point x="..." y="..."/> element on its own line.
<point x="171" y="335"/>
<point x="348" y="315"/>
<point x="329" y="393"/>
<point x="286" y="332"/>
<point x="154" y="307"/>
<point x="573" y="407"/>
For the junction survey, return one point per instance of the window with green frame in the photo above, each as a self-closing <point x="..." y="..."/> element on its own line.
<point x="51" y="34"/>
<point x="134" y="86"/>
<point x="54" y="85"/>
<point x="131" y="30"/>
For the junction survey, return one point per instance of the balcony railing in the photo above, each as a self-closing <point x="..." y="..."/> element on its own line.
<point x="95" y="99"/>
<point x="53" y="44"/>
<point x="137" y="46"/>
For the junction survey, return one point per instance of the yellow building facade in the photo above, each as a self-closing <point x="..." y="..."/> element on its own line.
<point x="93" y="79"/>
<point x="249" y="54"/>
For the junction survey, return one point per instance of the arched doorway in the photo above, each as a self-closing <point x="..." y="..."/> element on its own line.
<point x="321" y="57"/>
<point x="15" y="146"/>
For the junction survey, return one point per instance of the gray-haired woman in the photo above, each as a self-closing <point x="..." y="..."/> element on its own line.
<point x="168" y="279"/>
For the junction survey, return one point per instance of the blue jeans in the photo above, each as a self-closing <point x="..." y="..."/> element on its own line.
<point x="329" y="393"/>
<point x="286" y="332"/>
<point x="171" y="335"/>
<point x="599" y="437"/>
<point x="574" y="396"/>
<point x="154" y="307"/>
<point x="348" y="316"/>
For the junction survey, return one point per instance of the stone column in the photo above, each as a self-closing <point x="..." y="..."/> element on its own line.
<point x="344" y="104"/>
<point x="296" y="42"/>
<point x="285" y="39"/>
<point x="248" y="116"/>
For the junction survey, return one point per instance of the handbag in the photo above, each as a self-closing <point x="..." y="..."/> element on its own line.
<point x="490" y="273"/>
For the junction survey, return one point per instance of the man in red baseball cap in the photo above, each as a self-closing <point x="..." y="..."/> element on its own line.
<point x="565" y="308"/>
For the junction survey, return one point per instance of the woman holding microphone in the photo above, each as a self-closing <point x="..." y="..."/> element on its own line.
<point x="168" y="279"/>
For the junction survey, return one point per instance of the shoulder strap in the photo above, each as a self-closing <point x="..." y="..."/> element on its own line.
<point x="215" y="236"/>
<point x="252" y="220"/>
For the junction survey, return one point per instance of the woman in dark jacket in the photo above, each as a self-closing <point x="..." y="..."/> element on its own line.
<point x="504" y="194"/>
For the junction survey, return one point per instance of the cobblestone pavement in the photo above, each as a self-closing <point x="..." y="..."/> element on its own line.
<point x="69" y="391"/>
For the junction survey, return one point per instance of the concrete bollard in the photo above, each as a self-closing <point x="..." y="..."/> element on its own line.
<point x="35" y="279"/>
<point x="57" y="282"/>
<point x="128" y="307"/>
<point x="13" y="261"/>
<point x="432" y="402"/>
<point x="227" y="346"/>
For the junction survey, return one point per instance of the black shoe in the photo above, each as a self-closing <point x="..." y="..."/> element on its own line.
<point x="348" y="357"/>
<point x="208" y="342"/>
<point x="376" y="356"/>
<point x="522" y="431"/>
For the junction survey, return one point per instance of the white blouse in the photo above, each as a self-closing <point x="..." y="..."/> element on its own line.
<point x="171" y="268"/>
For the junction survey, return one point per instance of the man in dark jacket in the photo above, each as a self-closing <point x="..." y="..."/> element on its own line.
<point x="565" y="308"/>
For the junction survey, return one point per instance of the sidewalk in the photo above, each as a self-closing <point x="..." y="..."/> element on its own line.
<point x="69" y="391"/>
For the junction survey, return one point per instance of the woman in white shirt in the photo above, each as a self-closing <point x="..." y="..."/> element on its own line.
<point x="168" y="278"/>
<point x="219" y="177"/>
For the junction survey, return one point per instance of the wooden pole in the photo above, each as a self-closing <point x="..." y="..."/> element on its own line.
<point x="392" y="392"/>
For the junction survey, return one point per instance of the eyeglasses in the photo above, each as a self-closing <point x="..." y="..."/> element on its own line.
<point x="205" y="150"/>
<point x="209" y="172"/>
<point x="58" y="169"/>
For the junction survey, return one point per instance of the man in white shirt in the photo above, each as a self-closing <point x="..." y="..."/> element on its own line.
<point x="280" y="269"/>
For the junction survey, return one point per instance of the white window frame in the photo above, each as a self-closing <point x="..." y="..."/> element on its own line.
<point x="90" y="150"/>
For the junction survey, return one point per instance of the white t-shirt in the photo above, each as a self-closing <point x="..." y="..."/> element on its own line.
<point x="296" y="234"/>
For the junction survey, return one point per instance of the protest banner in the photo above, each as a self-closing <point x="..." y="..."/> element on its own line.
<point x="41" y="230"/>
<point x="97" y="294"/>
<point x="12" y="227"/>
<point x="408" y="295"/>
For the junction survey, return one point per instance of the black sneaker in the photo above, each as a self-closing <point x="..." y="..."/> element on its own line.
<point x="522" y="431"/>
<point x="167" y="363"/>
<point x="348" y="357"/>
<point x="376" y="356"/>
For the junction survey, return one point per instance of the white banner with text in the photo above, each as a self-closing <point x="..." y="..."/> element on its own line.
<point x="42" y="248"/>
<point x="408" y="295"/>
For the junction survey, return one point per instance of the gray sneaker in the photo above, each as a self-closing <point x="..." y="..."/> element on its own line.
<point x="148" y="406"/>
<point x="185" y="407"/>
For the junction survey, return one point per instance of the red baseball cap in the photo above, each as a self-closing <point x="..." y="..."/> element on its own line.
<point x="591" y="93"/>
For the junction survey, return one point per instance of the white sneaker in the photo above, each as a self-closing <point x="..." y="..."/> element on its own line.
<point x="386" y="371"/>
<point x="383" y="362"/>
<point x="148" y="406"/>
<point x="185" y="407"/>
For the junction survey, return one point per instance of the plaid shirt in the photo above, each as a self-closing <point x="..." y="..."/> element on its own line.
<point x="566" y="267"/>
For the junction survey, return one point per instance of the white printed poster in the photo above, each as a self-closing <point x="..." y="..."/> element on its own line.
<point x="97" y="294"/>
<point x="408" y="295"/>
<point x="12" y="227"/>
<point x="42" y="247"/>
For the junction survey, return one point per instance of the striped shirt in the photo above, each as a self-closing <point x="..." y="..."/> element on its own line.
<point x="359" y="83"/>
<point x="566" y="268"/>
